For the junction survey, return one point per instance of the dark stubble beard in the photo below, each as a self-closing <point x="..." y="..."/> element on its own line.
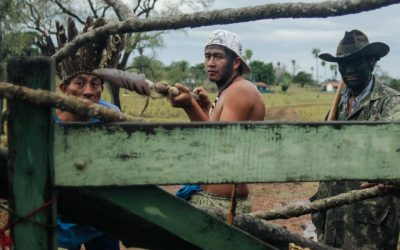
<point x="228" y="73"/>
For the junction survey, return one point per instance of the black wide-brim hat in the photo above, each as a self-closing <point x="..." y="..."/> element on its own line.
<point x="355" y="44"/>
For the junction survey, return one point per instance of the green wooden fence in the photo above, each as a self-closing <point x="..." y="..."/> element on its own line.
<point x="105" y="173"/>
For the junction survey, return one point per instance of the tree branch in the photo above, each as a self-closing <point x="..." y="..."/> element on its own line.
<point x="226" y="16"/>
<point x="138" y="2"/>
<point x="68" y="12"/>
<point x="93" y="9"/>
<point x="120" y="9"/>
<point x="67" y="103"/>
<point x="104" y="10"/>
<point x="147" y="7"/>
<point x="73" y="104"/>
<point x="267" y="232"/>
<point x="323" y="204"/>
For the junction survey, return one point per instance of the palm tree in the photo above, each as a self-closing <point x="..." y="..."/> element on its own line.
<point x="333" y="67"/>
<point x="315" y="52"/>
<point x="294" y="67"/>
<point x="323" y="64"/>
<point x="312" y="70"/>
<point x="248" y="53"/>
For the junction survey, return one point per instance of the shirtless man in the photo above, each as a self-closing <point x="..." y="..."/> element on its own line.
<point x="237" y="100"/>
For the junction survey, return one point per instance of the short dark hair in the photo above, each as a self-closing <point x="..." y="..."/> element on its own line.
<point x="232" y="55"/>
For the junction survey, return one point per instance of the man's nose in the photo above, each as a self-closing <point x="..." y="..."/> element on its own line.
<point x="210" y="62"/>
<point x="88" y="90"/>
<point x="350" y="68"/>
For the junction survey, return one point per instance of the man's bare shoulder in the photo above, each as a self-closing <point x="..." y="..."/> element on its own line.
<point x="242" y="87"/>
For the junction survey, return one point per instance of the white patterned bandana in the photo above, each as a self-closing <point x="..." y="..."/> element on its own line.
<point x="228" y="40"/>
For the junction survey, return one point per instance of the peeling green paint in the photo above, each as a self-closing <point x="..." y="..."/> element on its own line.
<point x="131" y="154"/>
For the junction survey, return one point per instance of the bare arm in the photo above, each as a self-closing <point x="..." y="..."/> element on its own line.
<point x="185" y="101"/>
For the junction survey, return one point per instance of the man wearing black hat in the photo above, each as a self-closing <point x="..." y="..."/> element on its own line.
<point x="373" y="223"/>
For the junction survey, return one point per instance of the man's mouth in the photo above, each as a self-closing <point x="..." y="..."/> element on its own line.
<point x="351" y="78"/>
<point x="86" y="100"/>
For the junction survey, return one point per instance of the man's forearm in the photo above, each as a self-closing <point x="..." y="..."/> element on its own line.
<point x="195" y="112"/>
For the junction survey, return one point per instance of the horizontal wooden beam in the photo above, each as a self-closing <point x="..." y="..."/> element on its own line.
<point x="149" y="217"/>
<point x="134" y="154"/>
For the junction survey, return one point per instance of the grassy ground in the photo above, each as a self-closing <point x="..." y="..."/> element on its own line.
<point x="297" y="104"/>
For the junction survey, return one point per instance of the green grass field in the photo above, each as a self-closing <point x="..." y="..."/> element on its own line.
<point x="298" y="104"/>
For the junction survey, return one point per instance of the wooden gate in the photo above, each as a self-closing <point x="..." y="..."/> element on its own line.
<point x="105" y="175"/>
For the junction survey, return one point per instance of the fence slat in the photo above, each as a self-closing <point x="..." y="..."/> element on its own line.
<point x="130" y="154"/>
<point x="116" y="211"/>
<point x="30" y="153"/>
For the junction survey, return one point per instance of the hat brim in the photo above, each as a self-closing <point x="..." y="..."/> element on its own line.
<point x="377" y="49"/>
<point x="245" y="68"/>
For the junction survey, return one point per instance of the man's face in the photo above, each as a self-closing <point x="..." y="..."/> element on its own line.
<point x="85" y="86"/>
<point x="356" y="72"/>
<point x="218" y="66"/>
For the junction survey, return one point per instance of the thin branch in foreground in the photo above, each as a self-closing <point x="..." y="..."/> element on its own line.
<point x="227" y="16"/>
<point x="73" y="104"/>
<point x="120" y="9"/>
<point x="323" y="204"/>
<point x="67" y="103"/>
<point x="267" y="232"/>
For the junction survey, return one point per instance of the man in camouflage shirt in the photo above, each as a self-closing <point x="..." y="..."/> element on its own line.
<point x="373" y="223"/>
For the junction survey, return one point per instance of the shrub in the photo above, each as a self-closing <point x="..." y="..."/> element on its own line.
<point x="284" y="86"/>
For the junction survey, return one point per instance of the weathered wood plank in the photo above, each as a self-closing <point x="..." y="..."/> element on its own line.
<point x="135" y="211"/>
<point x="30" y="152"/>
<point x="116" y="221"/>
<point x="125" y="154"/>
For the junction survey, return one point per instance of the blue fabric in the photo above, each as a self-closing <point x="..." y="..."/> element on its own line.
<point x="106" y="104"/>
<point x="72" y="236"/>
<point x="186" y="191"/>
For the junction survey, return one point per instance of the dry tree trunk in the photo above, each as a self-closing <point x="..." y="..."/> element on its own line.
<point x="323" y="204"/>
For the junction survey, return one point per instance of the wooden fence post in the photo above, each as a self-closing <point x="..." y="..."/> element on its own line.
<point x="30" y="158"/>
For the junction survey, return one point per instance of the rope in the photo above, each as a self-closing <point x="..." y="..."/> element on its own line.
<point x="5" y="239"/>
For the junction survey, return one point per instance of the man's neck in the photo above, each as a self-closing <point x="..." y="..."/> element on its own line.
<point x="221" y="85"/>
<point x="357" y="92"/>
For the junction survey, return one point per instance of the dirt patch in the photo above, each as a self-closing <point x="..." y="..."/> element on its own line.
<point x="281" y="113"/>
<point x="265" y="197"/>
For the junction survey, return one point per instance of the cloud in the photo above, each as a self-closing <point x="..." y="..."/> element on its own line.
<point x="283" y="40"/>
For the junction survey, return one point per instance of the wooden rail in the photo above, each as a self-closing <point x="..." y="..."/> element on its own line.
<point x="224" y="152"/>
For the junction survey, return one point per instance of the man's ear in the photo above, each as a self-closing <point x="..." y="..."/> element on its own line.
<point x="236" y="63"/>
<point x="372" y="62"/>
<point x="63" y="87"/>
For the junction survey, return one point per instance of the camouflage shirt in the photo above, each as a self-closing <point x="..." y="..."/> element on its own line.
<point x="369" y="224"/>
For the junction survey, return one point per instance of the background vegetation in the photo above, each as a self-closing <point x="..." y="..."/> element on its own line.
<point x="297" y="104"/>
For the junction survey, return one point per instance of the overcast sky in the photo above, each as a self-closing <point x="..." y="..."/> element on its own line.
<point x="283" y="40"/>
